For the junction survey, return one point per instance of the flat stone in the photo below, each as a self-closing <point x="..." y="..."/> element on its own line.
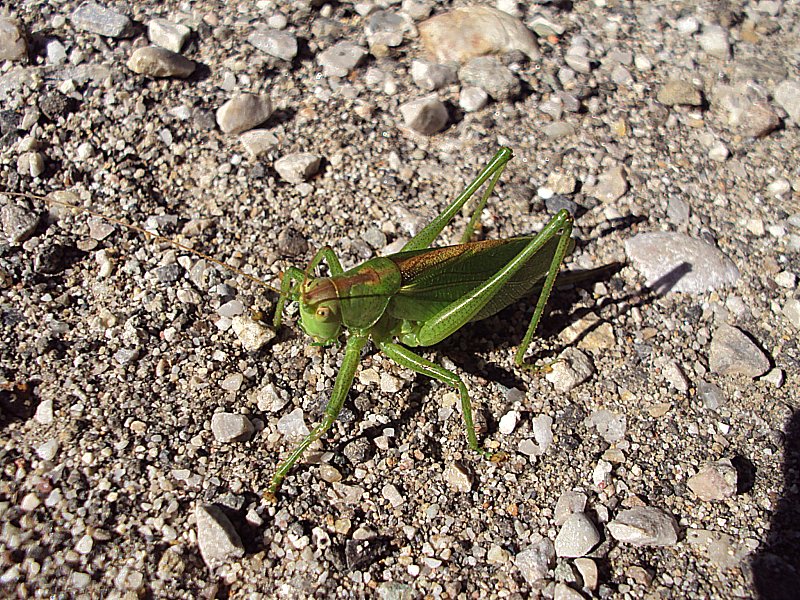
<point x="297" y="167"/>
<point x="787" y="96"/>
<point x="167" y="34"/>
<point x="715" y="481"/>
<point x="644" y="526"/>
<point x="217" y="538"/>
<point x="155" y="61"/>
<point x="427" y="115"/>
<point x="244" y="112"/>
<point x="465" y="33"/>
<point x="535" y="562"/>
<point x="258" y="141"/>
<point x="431" y="76"/>
<point x="577" y="536"/>
<point x="280" y="44"/>
<point x="492" y="76"/>
<point x="734" y="353"/>
<point x="252" y="334"/>
<point x="612" y="184"/>
<point x="98" y="19"/>
<point x="676" y="262"/>
<point x="714" y="41"/>
<point x="678" y="91"/>
<point x="568" y="503"/>
<point x="571" y="369"/>
<point x="340" y="59"/>
<point x="12" y="40"/>
<point x="387" y="28"/>
<point x="457" y="478"/>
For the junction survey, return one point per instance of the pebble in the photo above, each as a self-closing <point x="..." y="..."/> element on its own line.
<point x="558" y="129"/>
<point x="280" y="44"/>
<point x="787" y="96"/>
<point x="155" y="61"/>
<point x="734" y="353"/>
<point x="293" y="426"/>
<point x="577" y="536"/>
<point x="430" y="76"/>
<point x="457" y="478"/>
<point x="610" y="426"/>
<point x="232" y="382"/>
<point x="508" y="422"/>
<point x="561" y="183"/>
<point x="258" y="141"/>
<point x="676" y="262"/>
<point x="791" y="310"/>
<point x="588" y="572"/>
<point x="44" y="412"/>
<point x="270" y="399"/>
<point x="544" y="27"/>
<point x="745" y="110"/>
<point x="542" y="427"/>
<point x="644" y="526"/>
<point x="715" y="481"/>
<point x="786" y="279"/>
<point x="711" y="395"/>
<point x="465" y="33"/>
<point x="779" y="187"/>
<point x="18" y="224"/>
<point x="48" y="450"/>
<point x="392" y="494"/>
<point x="298" y="167"/>
<point x="535" y="562"/>
<point x="231" y="427"/>
<point x="56" y="52"/>
<point x="720" y="547"/>
<point x="718" y="152"/>
<point x="30" y="502"/>
<point x="714" y="41"/>
<point x="569" y="502"/>
<point x="426" y="116"/>
<point x="167" y="34"/>
<point x="572" y="369"/>
<point x="79" y="580"/>
<point x="341" y="58"/>
<point x="612" y="184"/>
<point x="677" y="91"/>
<point x="386" y="28"/>
<point x="687" y="25"/>
<point x="252" y="334"/>
<point x="98" y="19"/>
<point x="492" y="76"/>
<point x="84" y="545"/>
<point x="12" y="40"/>
<point x="563" y="592"/>
<point x="217" y="538"/>
<point x="243" y="112"/>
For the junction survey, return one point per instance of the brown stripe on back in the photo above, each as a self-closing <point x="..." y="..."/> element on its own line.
<point x="411" y="266"/>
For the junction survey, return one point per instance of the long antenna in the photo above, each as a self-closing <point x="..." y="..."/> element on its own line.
<point x="141" y="230"/>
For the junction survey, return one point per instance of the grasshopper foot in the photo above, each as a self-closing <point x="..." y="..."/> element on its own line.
<point x="495" y="457"/>
<point x="542" y="369"/>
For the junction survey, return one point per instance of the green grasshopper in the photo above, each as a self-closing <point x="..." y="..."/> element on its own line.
<point x="420" y="296"/>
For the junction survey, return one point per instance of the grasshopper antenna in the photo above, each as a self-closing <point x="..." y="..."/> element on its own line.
<point x="141" y="230"/>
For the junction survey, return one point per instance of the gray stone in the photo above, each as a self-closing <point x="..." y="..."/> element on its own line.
<point x="280" y="44"/>
<point x="12" y="40"/>
<point x="293" y="426"/>
<point x="252" y="334"/>
<point x="297" y="167"/>
<point x="745" y="110"/>
<point x="231" y="427"/>
<point x="715" y="481"/>
<point x="167" y="34"/>
<point x="340" y="59"/>
<point x="644" y="526"/>
<point x="258" y="142"/>
<point x="155" y="61"/>
<point x="217" y="538"/>
<point x="464" y="33"/>
<point x="492" y="76"/>
<point x="612" y="185"/>
<point x="734" y="353"/>
<point x="787" y="95"/>
<point x="676" y="262"/>
<point x="386" y="28"/>
<point x="577" y="536"/>
<point x="610" y="426"/>
<point x="431" y="76"/>
<point x="244" y="112"/>
<point x="678" y="91"/>
<point x="425" y="115"/>
<point x="18" y="223"/>
<point x="536" y="560"/>
<point x="558" y="129"/>
<point x="98" y="19"/>
<point x="568" y="503"/>
<point x="714" y="41"/>
<point x="457" y="478"/>
<point x="56" y="52"/>
<point x="571" y="369"/>
<point x="791" y="310"/>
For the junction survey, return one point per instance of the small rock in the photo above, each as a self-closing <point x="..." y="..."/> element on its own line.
<point x="508" y="422"/>
<point x="232" y="382"/>
<point x="577" y="536"/>
<point x="269" y="399"/>
<point x="612" y="184"/>
<point x="386" y="28"/>
<point x="678" y="91"/>
<point x="293" y="425"/>
<point x="341" y="58"/>
<point x="779" y="187"/>
<point x="12" y="40"/>
<point x="563" y="592"/>
<point x="457" y="478"/>
<point x="431" y="76"/>
<point x="715" y="481"/>
<point x="714" y="41"/>
<point x="561" y="183"/>
<point x="258" y="141"/>
<point x="492" y="76"/>
<point x="787" y="95"/>
<point x="44" y="412"/>
<point x="98" y="19"/>
<point x="253" y="334"/>
<point x="571" y="369"/>
<point x="676" y="262"/>
<point x="558" y="129"/>
<point x="536" y="560"/>
<point x="18" y="223"/>
<point x="687" y="25"/>
<point x="644" y="526"/>
<point x="231" y="427"/>
<point x="544" y="27"/>
<point x="497" y="555"/>
<point x="734" y="353"/>
<point x="465" y="33"/>
<point x="243" y="112"/>
<point x="155" y="61"/>
<point x="426" y="116"/>
<point x="280" y="44"/>
<point x="298" y="167"/>
<point x="588" y="572"/>
<point x="217" y="538"/>
<point x="721" y="548"/>
<point x="569" y="502"/>
<point x="791" y="310"/>
<point x="745" y="110"/>
<point x="48" y="450"/>
<point x="167" y="34"/>
<point x="718" y="152"/>
<point x="610" y="426"/>
<point x="30" y="502"/>
<point x="392" y="494"/>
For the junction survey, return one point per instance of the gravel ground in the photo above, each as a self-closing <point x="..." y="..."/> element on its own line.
<point x="145" y="407"/>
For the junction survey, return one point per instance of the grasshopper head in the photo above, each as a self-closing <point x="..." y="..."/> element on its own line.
<point x="319" y="310"/>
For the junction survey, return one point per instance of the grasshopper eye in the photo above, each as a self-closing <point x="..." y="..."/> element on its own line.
<point x="323" y="312"/>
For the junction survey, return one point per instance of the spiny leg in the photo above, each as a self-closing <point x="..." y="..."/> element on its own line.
<point x="405" y="357"/>
<point x="344" y="380"/>
<point x="495" y="167"/>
